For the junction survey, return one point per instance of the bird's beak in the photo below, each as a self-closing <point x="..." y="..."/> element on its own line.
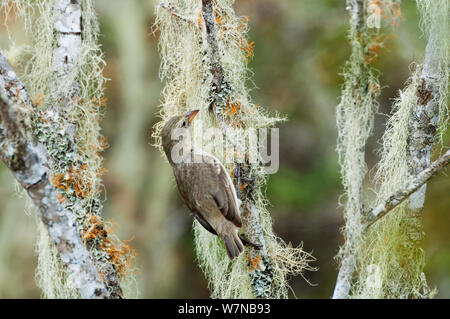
<point x="190" y="116"/>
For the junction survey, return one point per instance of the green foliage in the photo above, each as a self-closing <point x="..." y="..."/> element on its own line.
<point x="291" y="188"/>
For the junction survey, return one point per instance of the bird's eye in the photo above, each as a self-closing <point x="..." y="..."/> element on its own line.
<point x="183" y="124"/>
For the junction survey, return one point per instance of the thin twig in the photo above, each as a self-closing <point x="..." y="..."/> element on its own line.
<point x="406" y="190"/>
<point x="172" y="10"/>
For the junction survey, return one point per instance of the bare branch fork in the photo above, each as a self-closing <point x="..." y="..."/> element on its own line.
<point x="29" y="162"/>
<point x="378" y="212"/>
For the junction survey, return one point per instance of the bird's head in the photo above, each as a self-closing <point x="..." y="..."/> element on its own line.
<point x="175" y="122"/>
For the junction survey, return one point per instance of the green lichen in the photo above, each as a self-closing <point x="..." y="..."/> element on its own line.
<point x="67" y="123"/>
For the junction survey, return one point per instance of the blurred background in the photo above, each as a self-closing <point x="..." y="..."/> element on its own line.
<point x="300" y="48"/>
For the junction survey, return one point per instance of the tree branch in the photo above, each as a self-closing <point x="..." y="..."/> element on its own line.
<point x="409" y="188"/>
<point x="424" y="120"/>
<point x="210" y="35"/>
<point x="172" y="10"/>
<point x="68" y="29"/>
<point x="355" y="193"/>
<point x="221" y="92"/>
<point x="28" y="161"/>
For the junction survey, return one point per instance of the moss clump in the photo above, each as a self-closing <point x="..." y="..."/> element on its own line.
<point x="186" y="70"/>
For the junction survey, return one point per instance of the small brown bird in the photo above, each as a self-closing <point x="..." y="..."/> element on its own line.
<point x="206" y="188"/>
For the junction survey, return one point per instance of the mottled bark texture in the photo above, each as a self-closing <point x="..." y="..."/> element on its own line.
<point x="28" y="161"/>
<point x="424" y="120"/>
<point x="56" y="127"/>
<point x="212" y="47"/>
<point x="68" y="29"/>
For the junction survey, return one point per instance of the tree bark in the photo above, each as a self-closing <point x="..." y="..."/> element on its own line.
<point x="411" y="186"/>
<point x="28" y="161"/>
<point x="251" y="214"/>
<point x="424" y="120"/>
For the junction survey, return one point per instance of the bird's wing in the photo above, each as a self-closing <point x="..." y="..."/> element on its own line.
<point x="204" y="223"/>
<point x="205" y="183"/>
<point x="222" y="189"/>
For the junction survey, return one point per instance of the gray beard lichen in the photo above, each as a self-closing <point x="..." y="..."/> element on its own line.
<point x="389" y="258"/>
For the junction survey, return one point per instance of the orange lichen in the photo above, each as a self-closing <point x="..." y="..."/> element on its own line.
<point x="218" y="19"/>
<point x="119" y="253"/>
<point x="200" y="19"/>
<point x="375" y="46"/>
<point x="95" y="230"/>
<point x="101" y="172"/>
<point x="243" y="25"/>
<point x="389" y="13"/>
<point x="99" y="102"/>
<point x="96" y="101"/>
<point x="253" y="262"/>
<point x="374" y="88"/>
<point x="248" y="48"/>
<point x="102" y="144"/>
<point x="38" y="100"/>
<point x="395" y="13"/>
<point x="61" y="181"/>
<point x="73" y="178"/>
<point x="233" y="108"/>
<point x="61" y="198"/>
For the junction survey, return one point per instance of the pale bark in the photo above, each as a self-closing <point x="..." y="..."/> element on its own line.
<point x="412" y="185"/>
<point x="28" y="161"/>
<point x="424" y="119"/>
<point x="68" y="29"/>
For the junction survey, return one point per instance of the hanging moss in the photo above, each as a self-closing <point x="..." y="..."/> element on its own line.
<point x="391" y="261"/>
<point x="434" y="20"/>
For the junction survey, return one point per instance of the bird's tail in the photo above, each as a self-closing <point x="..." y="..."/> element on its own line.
<point x="247" y="242"/>
<point x="233" y="245"/>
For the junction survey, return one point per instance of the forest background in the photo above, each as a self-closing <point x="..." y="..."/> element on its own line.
<point x="300" y="49"/>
